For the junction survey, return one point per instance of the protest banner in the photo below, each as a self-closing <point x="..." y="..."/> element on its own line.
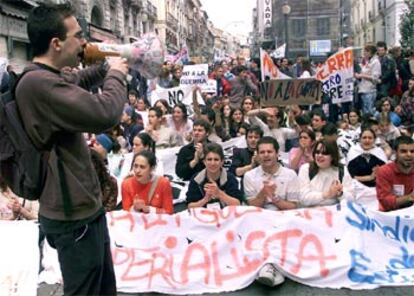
<point x="212" y="251"/>
<point x="282" y="92"/>
<point x="268" y="68"/>
<point x="19" y="257"/>
<point x="337" y="76"/>
<point x="180" y="94"/>
<point x="194" y="75"/>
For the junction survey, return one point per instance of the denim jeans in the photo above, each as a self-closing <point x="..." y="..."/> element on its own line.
<point x="368" y="102"/>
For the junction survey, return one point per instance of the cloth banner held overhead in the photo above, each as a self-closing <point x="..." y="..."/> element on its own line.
<point x="337" y="76"/>
<point x="282" y="92"/>
<point x="19" y="257"/>
<point x="279" y="52"/>
<point x="194" y="75"/>
<point x="180" y="94"/>
<point x="268" y="68"/>
<point x="212" y="251"/>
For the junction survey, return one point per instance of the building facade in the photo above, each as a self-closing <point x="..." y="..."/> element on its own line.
<point x="314" y="27"/>
<point x="177" y="23"/>
<point x="377" y="20"/>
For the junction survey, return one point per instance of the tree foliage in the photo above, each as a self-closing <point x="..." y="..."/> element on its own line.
<point x="407" y="25"/>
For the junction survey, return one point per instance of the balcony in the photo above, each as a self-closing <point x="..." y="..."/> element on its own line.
<point x="152" y="9"/>
<point x="371" y="16"/>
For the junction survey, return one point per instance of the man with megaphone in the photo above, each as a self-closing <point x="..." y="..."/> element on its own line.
<point x="55" y="112"/>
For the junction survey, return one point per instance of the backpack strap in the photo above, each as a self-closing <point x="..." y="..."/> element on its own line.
<point x="152" y="189"/>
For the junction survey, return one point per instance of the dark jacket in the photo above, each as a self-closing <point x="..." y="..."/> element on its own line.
<point x="182" y="166"/>
<point x="57" y="112"/>
<point x="227" y="183"/>
<point x="241" y="158"/>
<point x="388" y="78"/>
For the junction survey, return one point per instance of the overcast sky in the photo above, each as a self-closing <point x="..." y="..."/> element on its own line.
<point x="233" y="16"/>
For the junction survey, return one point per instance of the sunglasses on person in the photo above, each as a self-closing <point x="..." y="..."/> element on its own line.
<point x="321" y="152"/>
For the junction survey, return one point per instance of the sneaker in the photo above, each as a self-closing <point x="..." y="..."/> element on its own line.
<point x="270" y="276"/>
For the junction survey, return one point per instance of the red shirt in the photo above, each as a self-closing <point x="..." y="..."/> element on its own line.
<point x="390" y="184"/>
<point x="162" y="198"/>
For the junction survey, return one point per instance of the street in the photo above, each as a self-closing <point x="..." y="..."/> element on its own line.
<point x="288" y="288"/>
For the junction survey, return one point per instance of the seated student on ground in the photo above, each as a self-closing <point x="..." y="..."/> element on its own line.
<point x="395" y="180"/>
<point x="365" y="158"/>
<point x="163" y="136"/>
<point x="246" y="159"/>
<point x="386" y="104"/>
<point x="387" y="131"/>
<point x="272" y="126"/>
<point x="144" y="191"/>
<point x="324" y="181"/>
<point x="142" y="142"/>
<point x="302" y="154"/>
<point x="213" y="187"/>
<point x="273" y="187"/>
<point x="129" y="124"/>
<point x="190" y="157"/>
<point x="179" y="122"/>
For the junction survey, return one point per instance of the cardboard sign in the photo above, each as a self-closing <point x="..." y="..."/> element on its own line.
<point x="180" y="94"/>
<point x="210" y="87"/>
<point x="194" y="75"/>
<point x="337" y="76"/>
<point x="282" y="92"/>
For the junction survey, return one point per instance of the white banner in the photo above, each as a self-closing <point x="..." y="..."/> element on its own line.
<point x="279" y="52"/>
<point x="268" y="68"/>
<point x="211" y="251"/>
<point x="180" y="94"/>
<point x="337" y="76"/>
<point x="19" y="257"/>
<point x="194" y="74"/>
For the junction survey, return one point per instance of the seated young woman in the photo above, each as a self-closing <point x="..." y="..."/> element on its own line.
<point x="163" y="136"/>
<point x="365" y="158"/>
<point x="324" y="181"/>
<point x="213" y="187"/>
<point x="144" y="191"/>
<point x="302" y="154"/>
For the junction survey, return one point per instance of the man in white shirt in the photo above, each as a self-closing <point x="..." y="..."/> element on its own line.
<point x="271" y="186"/>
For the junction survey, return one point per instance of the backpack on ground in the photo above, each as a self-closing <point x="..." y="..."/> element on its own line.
<point x="22" y="166"/>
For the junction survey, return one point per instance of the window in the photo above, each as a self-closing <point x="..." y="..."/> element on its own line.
<point x="323" y="26"/>
<point x="298" y="27"/>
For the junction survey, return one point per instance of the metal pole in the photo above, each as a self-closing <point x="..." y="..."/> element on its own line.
<point x="286" y="36"/>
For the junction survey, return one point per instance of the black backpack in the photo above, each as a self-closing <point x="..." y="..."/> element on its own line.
<point x="23" y="167"/>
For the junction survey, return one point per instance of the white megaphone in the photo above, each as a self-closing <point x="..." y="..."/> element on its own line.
<point x="145" y="54"/>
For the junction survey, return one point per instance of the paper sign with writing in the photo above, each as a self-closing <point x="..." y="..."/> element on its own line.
<point x="180" y="94"/>
<point x="337" y="76"/>
<point x="194" y="74"/>
<point x="282" y="92"/>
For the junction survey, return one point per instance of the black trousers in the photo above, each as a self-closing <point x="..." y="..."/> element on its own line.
<point x="85" y="259"/>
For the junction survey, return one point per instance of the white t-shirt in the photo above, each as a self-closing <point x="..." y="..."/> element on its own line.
<point x="286" y="181"/>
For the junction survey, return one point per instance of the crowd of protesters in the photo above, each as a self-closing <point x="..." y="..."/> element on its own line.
<point x="368" y="140"/>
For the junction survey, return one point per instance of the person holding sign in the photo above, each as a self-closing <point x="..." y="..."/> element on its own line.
<point x="395" y="180"/>
<point x="214" y="187"/>
<point x="144" y="191"/>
